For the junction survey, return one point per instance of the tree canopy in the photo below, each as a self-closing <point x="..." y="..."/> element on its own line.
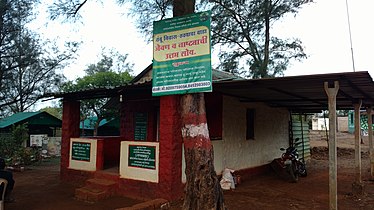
<point x="55" y="111"/>
<point x="29" y="66"/>
<point x="102" y="74"/>
<point x="250" y="50"/>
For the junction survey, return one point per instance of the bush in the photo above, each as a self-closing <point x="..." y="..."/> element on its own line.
<point x="12" y="146"/>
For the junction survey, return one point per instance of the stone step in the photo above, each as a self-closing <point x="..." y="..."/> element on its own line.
<point x="91" y="195"/>
<point x="101" y="184"/>
<point x="95" y="190"/>
<point x="107" y="175"/>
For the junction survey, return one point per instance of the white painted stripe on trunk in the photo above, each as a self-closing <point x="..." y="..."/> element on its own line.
<point x="195" y="130"/>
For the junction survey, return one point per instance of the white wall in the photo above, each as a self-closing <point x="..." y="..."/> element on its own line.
<point x="320" y="124"/>
<point x="343" y="124"/>
<point x="271" y="133"/>
<point x="234" y="151"/>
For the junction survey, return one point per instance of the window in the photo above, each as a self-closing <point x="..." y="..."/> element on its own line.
<point x="250" y="124"/>
<point x="213" y="104"/>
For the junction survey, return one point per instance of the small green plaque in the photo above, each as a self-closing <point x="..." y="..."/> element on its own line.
<point x="81" y="151"/>
<point x="140" y="132"/>
<point x="142" y="156"/>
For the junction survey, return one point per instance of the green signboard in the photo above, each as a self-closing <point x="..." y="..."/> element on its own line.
<point x="81" y="151"/>
<point x="142" y="156"/>
<point x="140" y="132"/>
<point x="182" y="55"/>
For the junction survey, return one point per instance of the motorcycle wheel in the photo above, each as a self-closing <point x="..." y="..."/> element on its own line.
<point x="302" y="170"/>
<point x="292" y="171"/>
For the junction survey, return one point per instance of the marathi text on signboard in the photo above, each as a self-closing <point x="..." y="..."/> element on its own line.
<point x="81" y="151"/>
<point x="142" y="156"/>
<point x="140" y="132"/>
<point x="182" y="55"/>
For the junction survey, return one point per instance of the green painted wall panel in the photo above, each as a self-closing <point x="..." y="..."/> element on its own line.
<point x="301" y="131"/>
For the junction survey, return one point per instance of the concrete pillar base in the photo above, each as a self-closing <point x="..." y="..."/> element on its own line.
<point x="357" y="188"/>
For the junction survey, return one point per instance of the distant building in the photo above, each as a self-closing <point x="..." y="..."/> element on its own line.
<point x="37" y="123"/>
<point x="44" y="130"/>
<point x="320" y="123"/>
<point x="106" y="127"/>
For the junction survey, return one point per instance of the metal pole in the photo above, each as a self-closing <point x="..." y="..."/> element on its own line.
<point x="333" y="192"/>
<point x="358" y="142"/>
<point x="357" y="186"/>
<point x="370" y="132"/>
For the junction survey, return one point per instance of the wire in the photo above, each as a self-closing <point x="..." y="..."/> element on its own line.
<point x="350" y="36"/>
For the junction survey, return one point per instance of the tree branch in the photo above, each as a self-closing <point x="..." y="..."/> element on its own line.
<point x="79" y="6"/>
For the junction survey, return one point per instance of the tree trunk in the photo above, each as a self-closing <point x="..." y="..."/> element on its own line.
<point x="203" y="190"/>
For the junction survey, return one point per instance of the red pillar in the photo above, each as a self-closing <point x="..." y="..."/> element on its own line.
<point x="122" y="120"/>
<point x="170" y="168"/>
<point x="70" y="129"/>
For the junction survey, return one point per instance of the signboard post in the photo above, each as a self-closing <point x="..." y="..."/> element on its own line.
<point x="182" y="55"/>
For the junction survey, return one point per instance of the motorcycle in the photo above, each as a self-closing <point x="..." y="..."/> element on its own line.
<point x="291" y="163"/>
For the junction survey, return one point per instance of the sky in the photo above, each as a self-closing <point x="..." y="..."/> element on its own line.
<point x="322" y="27"/>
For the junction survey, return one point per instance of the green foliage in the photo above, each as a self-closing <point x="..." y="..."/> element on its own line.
<point x="240" y="31"/>
<point x="12" y="145"/>
<point x="100" y="75"/>
<point x="97" y="80"/>
<point x="111" y="60"/>
<point x="147" y="11"/>
<point x="54" y="111"/>
<point x="342" y="113"/>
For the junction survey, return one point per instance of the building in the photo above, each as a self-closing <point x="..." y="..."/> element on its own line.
<point x="36" y="122"/>
<point x="249" y="120"/>
<point x="44" y="130"/>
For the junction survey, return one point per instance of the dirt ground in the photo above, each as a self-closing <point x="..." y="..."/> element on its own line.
<point x="39" y="187"/>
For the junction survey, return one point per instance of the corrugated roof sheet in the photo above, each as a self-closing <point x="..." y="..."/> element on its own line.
<point x="18" y="117"/>
<point x="89" y="124"/>
<point x="141" y="81"/>
<point x="303" y="93"/>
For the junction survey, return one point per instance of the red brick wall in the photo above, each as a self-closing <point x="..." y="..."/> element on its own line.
<point x="170" y="157"/>
<point x="127" y="121"/>
<point x="170" y="171"/>
<point x="109" y="147"/>
<point x="70" y="129"/>
<point x="112" y="147"/>
<point x="99" y="154"/>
